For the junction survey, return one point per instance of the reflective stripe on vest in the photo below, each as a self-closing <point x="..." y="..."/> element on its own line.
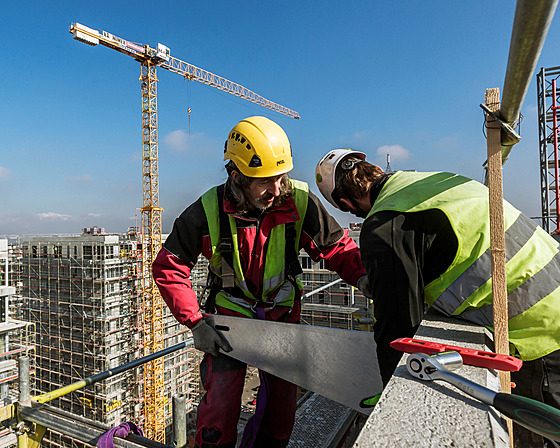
<point x="480" y="272"/>
<point x="465" y="288"/>
<point x="275" y="285"/>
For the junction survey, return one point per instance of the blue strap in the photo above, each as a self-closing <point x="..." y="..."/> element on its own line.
<point x="254" y="423"/>
<point x="123" y="430"/>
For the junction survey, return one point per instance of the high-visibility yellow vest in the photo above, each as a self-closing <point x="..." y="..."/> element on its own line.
<point x="465" y="288"/>
<point x="277" y="289"/>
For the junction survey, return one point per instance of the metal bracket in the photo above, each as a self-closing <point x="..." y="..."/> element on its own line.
<point x="24" y="427"/>
<point x="7" y="412"/>
<point x="29" y="434"/>
<point x="514" y="137"/>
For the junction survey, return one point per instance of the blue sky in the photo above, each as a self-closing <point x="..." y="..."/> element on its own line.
<point x="404" y="77"/>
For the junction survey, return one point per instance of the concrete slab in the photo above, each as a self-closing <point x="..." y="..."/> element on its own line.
<point x="436" y="414"/>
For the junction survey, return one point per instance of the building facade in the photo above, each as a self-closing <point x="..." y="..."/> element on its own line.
<point x="15" y="339"/>
<point x="81" y="293"/>
<point x="327" y="300"/>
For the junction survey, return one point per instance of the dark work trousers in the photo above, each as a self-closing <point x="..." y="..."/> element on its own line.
<point x="539" y="380"/>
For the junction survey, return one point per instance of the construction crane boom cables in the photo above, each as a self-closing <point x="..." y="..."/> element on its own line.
<point x="152" y="304"/>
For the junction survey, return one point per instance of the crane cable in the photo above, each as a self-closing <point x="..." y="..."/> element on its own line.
<point x="188" y="102"/>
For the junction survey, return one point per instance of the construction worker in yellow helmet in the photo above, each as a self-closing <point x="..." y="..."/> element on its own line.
<point x="251" y="229"/>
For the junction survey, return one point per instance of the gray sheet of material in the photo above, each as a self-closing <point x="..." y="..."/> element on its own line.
<point x="530" y="27"/>
<point x="320" y="422"/>
<point x="338" y="364"/>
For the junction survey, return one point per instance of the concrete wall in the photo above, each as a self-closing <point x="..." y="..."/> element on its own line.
<point x="415" y="413"/>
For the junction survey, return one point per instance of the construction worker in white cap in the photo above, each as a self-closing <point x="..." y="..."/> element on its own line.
<point x="425" y="242"/>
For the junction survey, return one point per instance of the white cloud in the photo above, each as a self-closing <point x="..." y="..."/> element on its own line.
<point x="360" y="135"/>
<point x="83" y="178"/>
<point x="397" y="152"/>
<point x="177" y="140"/>
<point x="4" y="173"/>
<point x="94" y="215"/>
<point x="52" y="216"/>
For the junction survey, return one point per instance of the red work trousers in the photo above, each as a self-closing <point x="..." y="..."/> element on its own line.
<point x="223" y="379"/>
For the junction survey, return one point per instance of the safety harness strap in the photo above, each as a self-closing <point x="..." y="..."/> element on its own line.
<point x="226" y="243"/>
<point x="293" y="267"/>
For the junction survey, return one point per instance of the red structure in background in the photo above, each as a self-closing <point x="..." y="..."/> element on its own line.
<point x="548" y="100"/>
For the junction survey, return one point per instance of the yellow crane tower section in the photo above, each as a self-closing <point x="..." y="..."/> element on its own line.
<point x="152" y="320"/>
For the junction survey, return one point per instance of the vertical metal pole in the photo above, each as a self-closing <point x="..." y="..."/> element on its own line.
<point x="179" y="421"/>
<point x="23" y="371"/>
<point x="554" y="108"/>
<point x="24" y="394"/>
<point x="543" y="150"/>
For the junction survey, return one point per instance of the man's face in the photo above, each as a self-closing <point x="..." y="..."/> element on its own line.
<point x="351" y="206"/>
<point x="262" y="191"/>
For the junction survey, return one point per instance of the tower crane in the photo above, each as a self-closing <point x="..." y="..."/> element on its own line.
<point x="151" y="58"/>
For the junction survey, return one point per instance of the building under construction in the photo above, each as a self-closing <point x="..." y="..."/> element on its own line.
<point x="81" y="294"/>
<point x="16" y="339"/>
<point x="328" y="301"/>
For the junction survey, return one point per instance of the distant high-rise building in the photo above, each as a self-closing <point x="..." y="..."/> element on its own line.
<point x="81" y="292"/>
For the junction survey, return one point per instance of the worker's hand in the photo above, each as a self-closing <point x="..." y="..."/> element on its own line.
<point x="364" y="286"/>
<point x="209" y="340"/>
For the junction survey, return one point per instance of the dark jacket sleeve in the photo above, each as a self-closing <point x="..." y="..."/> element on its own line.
<point x="185" y="239"/>
<point x="322" y="237"/>
<point x="403" y="252"/>
<point x="172" y="267"/>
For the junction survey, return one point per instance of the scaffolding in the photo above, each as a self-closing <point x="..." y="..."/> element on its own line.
<point x="82" y="293"/>
<point x="16" y="336"/>
<point x="335" y="306"/>
<point x="548" y="102"/>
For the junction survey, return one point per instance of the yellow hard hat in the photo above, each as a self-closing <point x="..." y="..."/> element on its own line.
<point x="259" y="148"/>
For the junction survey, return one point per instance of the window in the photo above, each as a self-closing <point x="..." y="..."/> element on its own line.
<point x="88" y="253"/>
<point x="3" y="315"/>
<point x="306" y="263"/>
<point x="3" y="272"/>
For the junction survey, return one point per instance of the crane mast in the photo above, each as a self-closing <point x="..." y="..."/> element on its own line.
<point x="151" y="212"/>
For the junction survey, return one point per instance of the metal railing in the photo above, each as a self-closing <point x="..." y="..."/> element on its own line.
<point x="30" y="416"/>
<point x="530" y="27"/>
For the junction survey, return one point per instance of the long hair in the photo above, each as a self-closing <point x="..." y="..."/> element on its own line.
<point x="355" y="182"/>
<point x="235" y="191"/>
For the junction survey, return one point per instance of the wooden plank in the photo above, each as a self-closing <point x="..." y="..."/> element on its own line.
<point x="497" y="239"/>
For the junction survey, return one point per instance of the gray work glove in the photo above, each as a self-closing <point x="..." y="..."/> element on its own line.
<point x="209" y="340"/>
<point x="364" y="286"/>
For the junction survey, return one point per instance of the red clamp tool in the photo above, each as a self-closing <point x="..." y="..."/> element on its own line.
<point x="470" y="356"/>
